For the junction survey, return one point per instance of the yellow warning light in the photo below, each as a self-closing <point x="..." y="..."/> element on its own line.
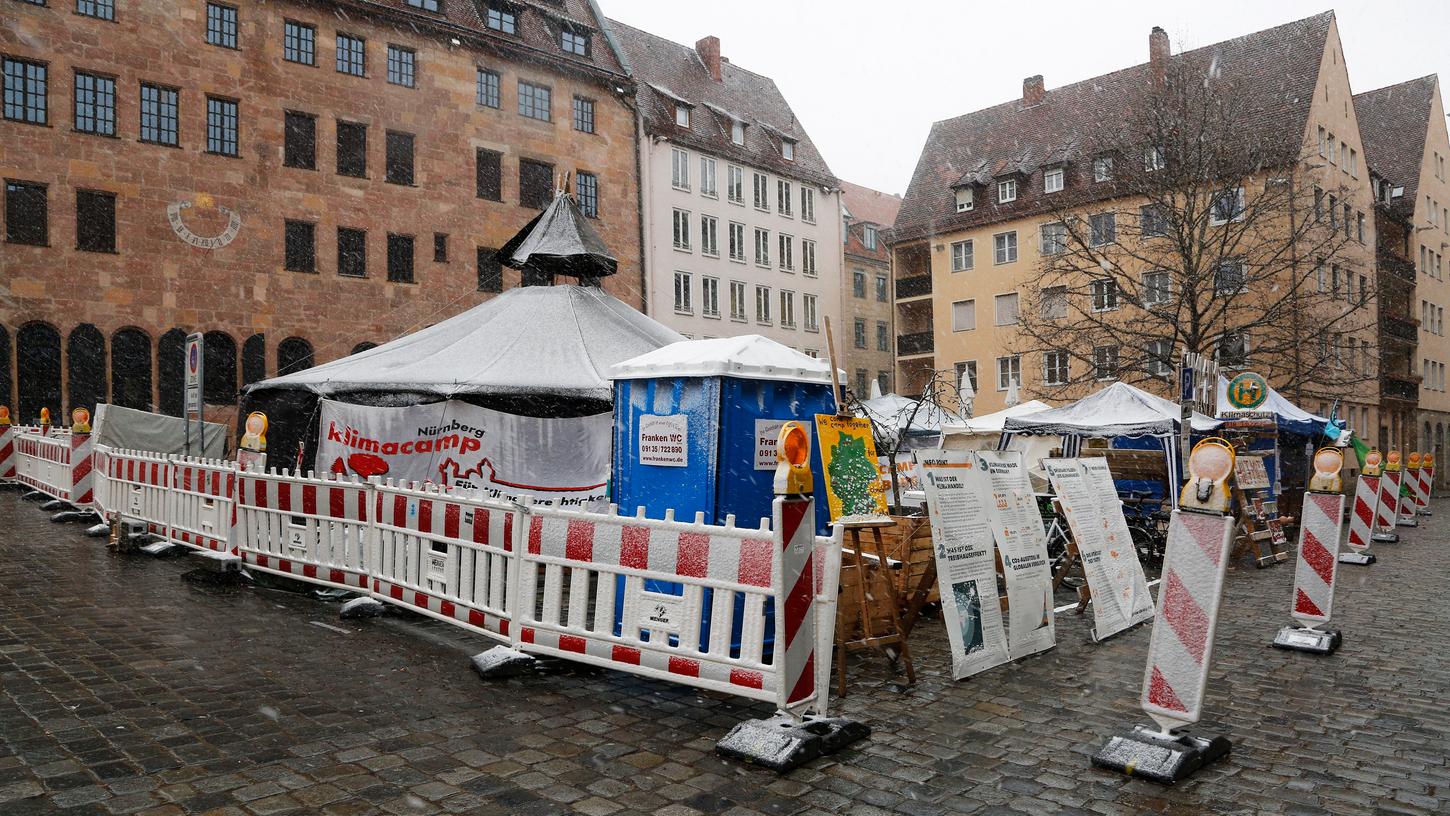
<point x="1327" y="464"/>
<point x="1209" y="466"/>
<point x="1392" y="462"/>
<point x="1429" y="460"/>
<point x="1373" y="463"/>
<point x="1413" y="463"/>
<point x="80" y="421"/>
<point x="4" y="416"/>
<point x="793" y="460"/>
<point x="45" y="417"/>
<point x="255" y="436"/>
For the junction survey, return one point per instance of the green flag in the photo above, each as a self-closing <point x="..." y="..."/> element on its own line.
<point x="1360" y="449"/>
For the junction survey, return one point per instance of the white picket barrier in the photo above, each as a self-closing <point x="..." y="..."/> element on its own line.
<point x="303" y="527"/>
<point x="101" y="501"/>
<point x="138" y="485"/>
<point x="201" y="510"/>
<point x="8" y="456"/>
<point x="43" y="462"/>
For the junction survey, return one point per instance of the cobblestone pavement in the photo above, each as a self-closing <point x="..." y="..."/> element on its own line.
<point x="127" y="689"/>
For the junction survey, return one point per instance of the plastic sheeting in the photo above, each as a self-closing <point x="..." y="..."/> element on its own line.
<point x="130" y="429"/>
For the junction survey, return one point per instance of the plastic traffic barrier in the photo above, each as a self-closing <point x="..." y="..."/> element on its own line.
<point x="1362" y="513"/>
<point x="201" y="509"/>
<point x="1389" y="502"/>
<point x="302" y="527"/>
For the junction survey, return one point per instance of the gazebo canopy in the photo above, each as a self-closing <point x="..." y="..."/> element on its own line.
<point x="559" y="241"/>
<point x="1118" y="410"/>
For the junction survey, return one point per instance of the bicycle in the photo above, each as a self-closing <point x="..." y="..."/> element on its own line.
<point x="1147" y="525"/>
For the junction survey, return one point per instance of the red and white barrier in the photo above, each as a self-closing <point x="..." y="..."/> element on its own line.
<point x="302" y="527"/>
<point x="82" y="470"/>
<point x="7" y="451"/>
<point x="1361" y="520"/>
<point x="1421" y="491"/>
<point x="1405" y="498"/>
<point x="43" y="462"/>
<point x="1388" y="507"/>
<point x="201" y="508"/>
<point x="138" y="485"/>
<point x="1181" y="646"/>
<point x="1318" y="557"/>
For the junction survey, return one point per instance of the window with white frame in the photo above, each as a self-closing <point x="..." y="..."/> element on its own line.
<point x="808" y="204"/>
<point x="967" y="370"/>
<point x="1103" y="168"/>
<point x="808" y="309"/>
<point x="964" y="315"/>
<point x="762" y="192"/>
<point x="1153" y="159"/>
<point x="868" y="237"/>
<point x="1009" y="371"/>
<point x="707" y="177"/>
<point x="1158" y="357"/>
<point x="1229" y="277"/>
<point x="710" y="297"/>
<point x="808" y="258"/>
<point x="787" y="253"/>
<point x="682" y="230"/>
<point x="1228" y="205"/>
<point x="1006" y="190"/>
<point x="962" y="256"/>
<point x="1054" y="367"/>
<point x="737" y="300"/>
<point x="762" y="247"/>
<point x="787" y="149"/>
<point x="737" y="241"/>
<point x="1052" y="180"/>
<point x="1104" y="292"/>
<point x="762" y="304"/>
<point x="783" y="197"/>
<point x="679" y="169"/>
<point x="682" y="293"/>
<point x="1157" y="287"/>
<point x="1053" y="305"/>
<point x="1152" y="220"/>
<point x="735" y="184"/>
<point x="682" y="116"/>
<point x="1105" y="362"/>
<point x="1104" y="228"/>
<point x="964" y="199"/>
<point x="787" y="309"/>
<point x="1054" y="239"/>
<point x="1004" y="247"/>
<point x="709" y="239"/>
<point x="1005" y="308"/>
<point x="737" y="132"/>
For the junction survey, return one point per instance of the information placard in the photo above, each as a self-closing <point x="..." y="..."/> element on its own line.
<point x="663" y="440"/>
<point x="767" y="433"/>
<point x="1012" y="510"/>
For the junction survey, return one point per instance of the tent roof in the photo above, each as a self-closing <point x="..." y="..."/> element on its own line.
<point x="748" y="356"/>
<point x="992" y="423"/>
<point x="1118" y="410"/>
<point x="892" y="410"/>
<point x="544" y="340"/>
<point x="559" y="241"/>
<point x="1290" y="417"/>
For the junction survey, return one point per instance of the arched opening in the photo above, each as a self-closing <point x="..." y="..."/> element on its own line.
<point x="85" y="353"/>
<point x="131" y="369"/>
<point x="6" y="392"/>
<point x="171" y="372"/>
<point x="364" y="346"/>
<point x="254" y="359"/>
<point x="1426" y="439"/>
<point x="219" y="369"/>
<point x="293" y="354"/>
<point x="37" y="363"/>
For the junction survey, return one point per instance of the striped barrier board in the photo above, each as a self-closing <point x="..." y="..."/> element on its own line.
<point x="1361" y="520"/>
<point x="7" y="452"/>
<point x="82" y="475"/>
<point x="1389" y="503"/>
<point x="1405" y="498"/>
<point x="43" y="463"/>
<point x="1422" y="491"/>
<point x="795" y="626"/>
<point x="138" y="489"/>
<point x="201" y="510"/>
<point x="1318" y="557"/>
<point x="303" y="527"/>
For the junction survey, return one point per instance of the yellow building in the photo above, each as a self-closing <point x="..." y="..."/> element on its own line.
<point x="995" y="188"/>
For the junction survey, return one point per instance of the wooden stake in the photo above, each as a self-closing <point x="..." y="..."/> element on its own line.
<point x="835" y="375"/>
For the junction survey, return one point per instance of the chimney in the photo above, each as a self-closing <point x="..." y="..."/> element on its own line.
<point x="709" y="51"/>
<point x="1158" y="53"/>
<point x="1032" y="91"/>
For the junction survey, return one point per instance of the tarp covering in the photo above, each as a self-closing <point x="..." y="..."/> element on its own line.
<point x="128" y="428"/>
<point x="992" y="423"/>
<point x="559" y="241"/>
<point x="1118" y="410"/>
<point x="1290" y="417"/>
<point x="749" y="357"/>
<point x="533" y="340"/>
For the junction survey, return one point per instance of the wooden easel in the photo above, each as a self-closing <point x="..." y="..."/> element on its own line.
<point x="868" y="615"/>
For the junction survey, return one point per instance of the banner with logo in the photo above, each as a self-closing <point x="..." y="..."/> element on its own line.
<point x="1012" y="509"/>
<point x="965" y="565"/>
<point x="1089" y="499"/>
<point x="560" y="462"/>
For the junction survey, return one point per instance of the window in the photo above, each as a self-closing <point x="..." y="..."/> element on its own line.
<point x="1054" y="303"/>
<point x="95" y="221"/>
<point x="1104" y="294"/>
<point x="1158" y="358"/>
<point x="860" y="333"/>
<point x="709" y="238"/>
<point x="27" y="217"/>
<point x="490" y="270"/>
<point x="400" y="258"/>
<point x="1353" y="163"/>
<point x="787" y="253"/>
<point x="401" y="66"/>
<point x="488" y="169"/>
<point x="861" y="377"/>
<point x="299" y="140"/>
<point x="587" y="187"/>
<point x="682" y="230"/>
<point x="583" y="114"/>
<point x="1009" y="371"/>
<point x="534" y="101"/>
<point x="1153" y="221"/>
<point x="964" y="315"/>
<point x="1348" y="211"/>
<point x="962" y="256"/>
<point x="221" y="126"/>
<point x="737" y="132"/>
<point x="868" y="237"/>
<point x="1103" y="168"/>
<point x="812" y="317"/>
<point x="682" y="115"/>
<point x="574" y="41"/>
<point x="221" y="25"/>
<point x="710" y="297"/>
<point x="1157" y="287"/>
<point x="352" y="149"/>
<point x="1054" y="239"/>
<point x="95" y="104"/>
<point x="787" y="309"/>
<point x="737" y="241"/>
<point x="808" y="258"/>
<point x="487" y="87"/>
<point x="783" y="197"/>
<point x="1005" y="308"/>
<point x="398" y="163"/>
<point x="536" y="184"/>
<point x="1104" y="228"/>
<point x="964" y="199"/>
<point x="682" y="294"/>
<point x="158" y="115"/>
<point x="500" y="17"/>
<point x="1006" y="191"/>
<point x="1228" y="205"/>
<point x="882" y="289"/>
<point x="1153" y="159"/>
<point x="299" y="242"/>
<point x="1333" y="212"/>
<point x="762" y="304"/>
<point x="707" y="177"/>
<point x="1318" y="204"/>
<point x="351" y="55"/>
<point x="858" y="283"/>
<point x="735" y="184"/>
<point x="762" y="247"/>
<point x="737" y="300"/>
<point x="26" y="87"/>
<point x="1105" y="362"/>
<point x="100" y="9"/>
<point x="1052" y="180"/>
<point x="967" y="371"/>
<point x="1229" y="278"/>
<point x="299" y="42"/>
<point x="1323" y="145"/>
<point x="1333" y="149"/>
<point x="787" y="149"/>
<point x="762" y="192"/>
<point x="679" y="169"/>
<point x="352" y="252"/>
<point x="440" y="247"/>
<point x="426" y="5"/>
<point x="1054" y="368"/>
<point x="808" y="204"/>
<point x="1233" y="350"/>
<point x="1004" y="247"/>
<point x="883" y="336"/>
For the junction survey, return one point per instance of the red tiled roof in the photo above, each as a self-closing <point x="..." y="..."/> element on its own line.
<point x="666" y="72"/>
<point x="1393" y="124"/>
<point x="870" y="206"/>
<point x="1275" y="69"/>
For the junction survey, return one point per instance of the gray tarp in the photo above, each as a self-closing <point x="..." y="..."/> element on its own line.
<point x="128" y="428"/>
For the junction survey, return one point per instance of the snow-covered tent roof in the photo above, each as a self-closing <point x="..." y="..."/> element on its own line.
<point x="748" y="356"/>
<point x="894" y="411"/>
<point x="546" y="340"/>
<point x="1290" y="417"/>
<point x="992" y="423"/>
<point x="559" y="241"/>
<point x="1118" y="410"/>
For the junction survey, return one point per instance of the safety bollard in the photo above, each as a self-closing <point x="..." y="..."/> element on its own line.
<point x="1314" y="573"/>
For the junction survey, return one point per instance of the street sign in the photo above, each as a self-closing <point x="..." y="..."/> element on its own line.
<point x="193" y="372"/>
<point x="1248" y="391"/>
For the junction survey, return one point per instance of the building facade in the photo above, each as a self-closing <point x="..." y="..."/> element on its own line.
<point x="742" y="232"/>
<point x="867" y="343"/>
<point x="294" y="179"/>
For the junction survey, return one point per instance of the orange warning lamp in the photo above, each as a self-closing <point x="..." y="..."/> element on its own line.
<point x="1209" y="466"/>
<point x="45" y="418"/>
<point x="4" y="416"/>
<point x="1373" y="463"/>
<point x="1327" y="464"/>
<point x="1429" y="460"/>
<point x="793" y="460"/>
<point x="1413" y="463"/>
<point x="80" y="421"/>
<point x="1392" y="462"/>
<point x="255" y="436"/>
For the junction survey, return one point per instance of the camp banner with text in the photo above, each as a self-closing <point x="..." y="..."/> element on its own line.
<point x="848" y="455"/>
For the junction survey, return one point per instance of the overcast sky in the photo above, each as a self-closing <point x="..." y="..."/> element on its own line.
<point x="867" y="79"/>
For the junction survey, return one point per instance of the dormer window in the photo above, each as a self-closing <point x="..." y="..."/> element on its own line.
<point x="682" y="116"/>
<point x="574" y="40"/>
<point x="1103" y="168"/>
<point x="1006" y="191"/>
<point x="500" y="17"/>
<point x="964" y="199"/>
<point x="1052" y="180"/>
<point x="737" y="132"/>
<point x="869" y="237"/>
<point x="787" y="149"/>
<point x="426" y="5"/>
<point x="1153" y="159"/>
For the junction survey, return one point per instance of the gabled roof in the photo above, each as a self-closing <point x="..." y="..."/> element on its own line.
<point x="668" y="73"/>
<point x="1275" y="72"/>
<point x="1393" y="124"/>
<point x="868" y="206"/>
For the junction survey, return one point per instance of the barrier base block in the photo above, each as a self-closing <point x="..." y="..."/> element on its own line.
<point x="1362" y="559"/>
<point x="1424" y="511"/>
<point x="56" y="505"/>
<point x="218" y="561"/>
<point x="501" y="662"/>
<point x="1410" y="521"/>
<point x="1385" y="538"/>
<point x="1147" y="753"/>
<point x="360" y="608"/>
<point x="36" y="495"/>
<point x="160" y="548"/>
<point x="1313" y="641"/>
<point x="782" y="742"/>
<point x="98" y="530"/>
<point x="73" y="514"/>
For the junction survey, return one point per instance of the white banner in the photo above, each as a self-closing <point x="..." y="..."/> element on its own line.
<point x="560" y="462"/>
<point x="1089" y="499"/>
<point x="1012" y="509"/>
<point x="965" y="567"/>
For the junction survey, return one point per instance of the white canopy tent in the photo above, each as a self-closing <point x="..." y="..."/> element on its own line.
<point x="993" y="423"/>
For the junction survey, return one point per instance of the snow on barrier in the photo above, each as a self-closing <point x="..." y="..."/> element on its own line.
<point x="303" y="527"/>
<point x="201" y="510"/>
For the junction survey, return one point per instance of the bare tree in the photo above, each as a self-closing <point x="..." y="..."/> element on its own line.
<point x="938" y="401"/>
<point x="1215" y="238"/>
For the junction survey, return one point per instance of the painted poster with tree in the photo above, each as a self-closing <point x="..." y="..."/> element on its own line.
<point x="848" y="455"/>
